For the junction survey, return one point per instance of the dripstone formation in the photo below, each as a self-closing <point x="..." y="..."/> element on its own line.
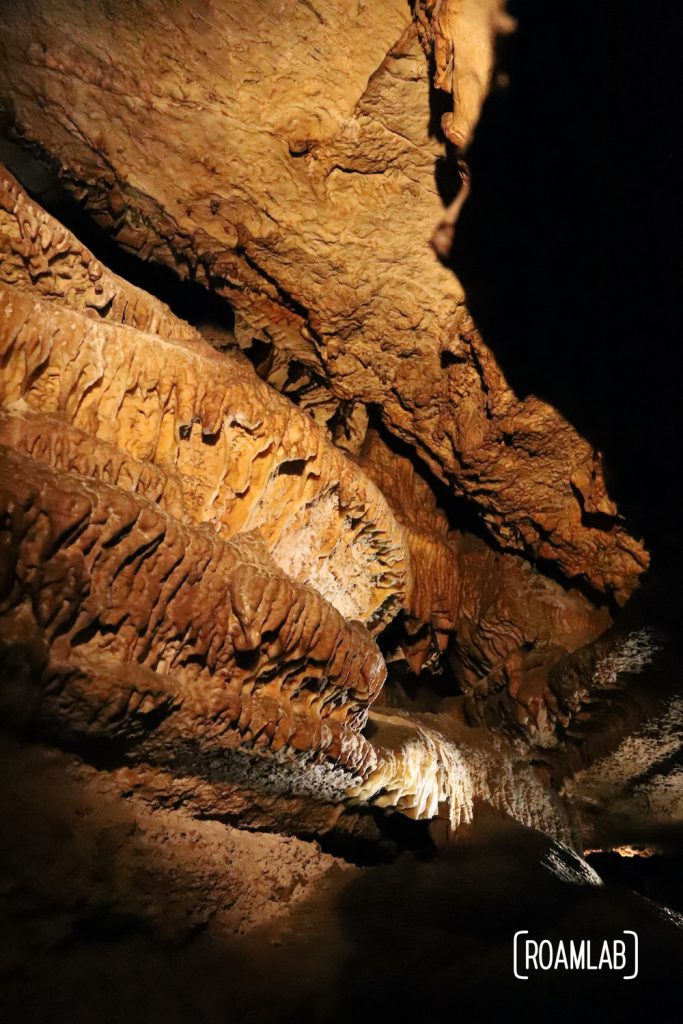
<point x="193" y="567"/>
<point x="304" y="569"/>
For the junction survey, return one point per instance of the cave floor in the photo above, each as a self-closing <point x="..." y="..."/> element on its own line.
<point x="116" y="910"/>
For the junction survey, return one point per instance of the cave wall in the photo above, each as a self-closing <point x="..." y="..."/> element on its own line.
<point x="325" y="251"/>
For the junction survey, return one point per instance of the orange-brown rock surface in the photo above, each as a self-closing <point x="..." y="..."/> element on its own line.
<point x="506" y="623"/>
<point x="187" y="556"/>
<point x="38" y="254"/>
<point x="297" y="181"/>
<point x="140" y="627"/>
<point x="296" y="587"/>
<point x="192" y="559"/>
<point x="173" y="528"/>
<point x="199" y="427"/>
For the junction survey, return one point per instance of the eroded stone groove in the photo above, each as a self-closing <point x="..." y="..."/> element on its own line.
<point x="325" y="250"/>
<point x="140" y="619"/>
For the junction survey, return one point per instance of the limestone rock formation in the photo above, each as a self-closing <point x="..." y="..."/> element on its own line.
<point x="460" y="36"/>
<point x="38" y="254"/>
<point x="150" y="629"/>
<point x="191" y="567"/>
<point x="160" y="616"/>
<point x="223" y="447"/>
<point x="189" y="561"/>
<point x="312" y="656"/>
<point x="507" y="624"/>
<point x="435" y="767"/>
<point x="299" y="183"/>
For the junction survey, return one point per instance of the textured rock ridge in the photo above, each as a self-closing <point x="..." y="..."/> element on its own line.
<point x="460" y="36"/>
<point x="315" y="682"/>
<point x="243" y="457"/>
<point x="303" y="190"/>
<point x="186" y="556"/>
<point x="432" y="766"/>
<point x="504" y="624"/>
<point x="38" y="254"/>
<point x="157" y="500"/>
<point x="143" y="628"/>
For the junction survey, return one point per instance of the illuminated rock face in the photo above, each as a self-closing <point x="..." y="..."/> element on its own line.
<point x="192" y="568"/>
<point x="183" y="546"/>
<point x="194" y="571"/>
<point x="240" y="456"/>
<point x="298" y="182"/>
<point x="163" y="634"/>
<point x="297" y="592"/>
<point x="201" y="557"/>
<point x="218" y="444"/>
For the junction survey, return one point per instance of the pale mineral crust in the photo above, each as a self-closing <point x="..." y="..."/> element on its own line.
<point x="284" y="155"/>
<point x="433" y="766"/>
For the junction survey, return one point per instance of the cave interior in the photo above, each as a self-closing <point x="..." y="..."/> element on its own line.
<point x="340" y="553"/>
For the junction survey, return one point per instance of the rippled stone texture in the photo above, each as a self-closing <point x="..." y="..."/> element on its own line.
<point x="163" y="634"/>
<point x="298" y="181"/>
<point x="192" y="567"/>
<point x="195" y="425"/>
<point x="185" y="553"/>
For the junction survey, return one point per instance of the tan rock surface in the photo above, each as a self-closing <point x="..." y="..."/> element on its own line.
<point x="150" y="485"/>
<point x="39" y="255"/>
<point x="506" y="623"/>
<point x="186" y="551"/>
<point x="242" y="457"/>
<point x="210" y="557"/>
<point x="298" y="182"/>
<point x="460" y="35"/>
<point x="139" y="627"/>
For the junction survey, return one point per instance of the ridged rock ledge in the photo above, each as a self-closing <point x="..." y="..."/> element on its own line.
<point x="298" y="182"/>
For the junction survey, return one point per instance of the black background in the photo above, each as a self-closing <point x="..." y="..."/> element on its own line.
<point x="569" y="245"/>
